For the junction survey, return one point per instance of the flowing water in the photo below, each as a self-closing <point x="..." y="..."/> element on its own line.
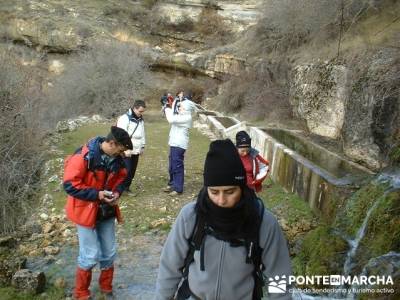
<point x="135" y="267"/>
<point x="393" y="179"/>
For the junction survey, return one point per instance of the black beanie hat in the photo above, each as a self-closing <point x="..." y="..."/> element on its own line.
<point x="243" y="140"/>
<point x="223" y="166"/>
<point x="121" y="137"/>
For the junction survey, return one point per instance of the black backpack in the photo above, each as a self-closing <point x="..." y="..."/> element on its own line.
<point x="254" y="253"/>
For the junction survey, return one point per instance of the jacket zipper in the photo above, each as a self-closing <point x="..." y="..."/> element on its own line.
<point x="219" y="278"/>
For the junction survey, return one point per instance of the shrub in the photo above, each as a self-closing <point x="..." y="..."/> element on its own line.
<point x="210" y="23"/>
<point x="149" y="4"/>
<point x="20" y="157"/>
<point x="101" y="80"/>
<point x="291" y="23"/>
<point x="160" y="23"/>
<point x="257" y="93"/>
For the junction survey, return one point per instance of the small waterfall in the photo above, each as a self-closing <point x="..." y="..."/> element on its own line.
<point x="356" y="241"/>
<point x="393" y="179"/>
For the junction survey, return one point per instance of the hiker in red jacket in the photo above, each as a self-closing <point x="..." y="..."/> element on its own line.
<point x="256" y="166"/>
<point x="93" y="180"/>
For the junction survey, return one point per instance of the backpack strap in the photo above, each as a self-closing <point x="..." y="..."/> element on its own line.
<point x="137" y="124"/>
<point x="196" y="242"/>
<point x="255" y="255"/>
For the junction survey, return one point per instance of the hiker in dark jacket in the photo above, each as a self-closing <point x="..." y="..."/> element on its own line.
<point x="218" y="261"/>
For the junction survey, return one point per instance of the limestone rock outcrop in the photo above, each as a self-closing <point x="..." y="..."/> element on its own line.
<point x="360" y="107"/>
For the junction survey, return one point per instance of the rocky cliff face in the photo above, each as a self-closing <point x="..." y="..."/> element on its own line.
<point x="372" y="123"/>
<point x="361" y="109"/>
<point x="52" y="26"/>
<point x="238" y="14"/>
<point x="318" y="95"/>
<point x="67" y="26"/>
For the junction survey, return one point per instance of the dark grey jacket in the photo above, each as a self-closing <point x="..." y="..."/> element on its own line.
<point x="226" y="275"/>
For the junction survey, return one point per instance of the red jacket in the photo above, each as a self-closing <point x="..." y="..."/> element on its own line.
<point x="85" y="176"/>
<point x="257" y="169"/>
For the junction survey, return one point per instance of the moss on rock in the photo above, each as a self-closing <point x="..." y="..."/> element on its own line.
<point x="383" y="230"/>
<point x="351" y="217"/>
<point x="322" y="253"/>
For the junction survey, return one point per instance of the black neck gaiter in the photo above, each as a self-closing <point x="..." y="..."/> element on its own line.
<point x="228" y="223"/>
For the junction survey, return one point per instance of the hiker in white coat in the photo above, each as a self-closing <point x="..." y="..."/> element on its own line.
<point x="133" y="123"/>
<point x="180" y="118"/>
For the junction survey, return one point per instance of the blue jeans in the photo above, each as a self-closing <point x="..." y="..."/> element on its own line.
<point x="176" y="168"/>
<point x="97" y="245"/>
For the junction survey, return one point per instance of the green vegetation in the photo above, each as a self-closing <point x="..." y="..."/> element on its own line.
<point x="322" y="252"/>
<point x="290" y="206"/>
<point x="52" y="293"/>
<point x="350" y="218"/>
<point x="394" y="155"/>
<point x="382" y="234"/>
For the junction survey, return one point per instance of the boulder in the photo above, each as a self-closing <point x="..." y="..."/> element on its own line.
<point x="26" y="280"/>
<point x="8" y="266"/>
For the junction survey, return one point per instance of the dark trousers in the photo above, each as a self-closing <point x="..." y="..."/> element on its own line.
<point x="131" y="165"/>
<point x="176" y="168"/>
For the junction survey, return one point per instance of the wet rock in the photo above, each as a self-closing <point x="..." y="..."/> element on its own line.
<point x="44" y="216"/>
<point x="48" y="227"/>
<point x="31" y="227"/>
<point x="26" y="280"/>
<point x="385" y="265"/>
<point x="50" y="259"/>
<point x="53" y="178"/>
<point x="67" y="233"/>
<point x="34" y="253"/>
<point x="51" y="250"/>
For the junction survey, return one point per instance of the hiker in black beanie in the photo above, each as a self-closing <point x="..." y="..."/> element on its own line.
<point x="220" y="241"/>
<point x="256" y="166"/>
